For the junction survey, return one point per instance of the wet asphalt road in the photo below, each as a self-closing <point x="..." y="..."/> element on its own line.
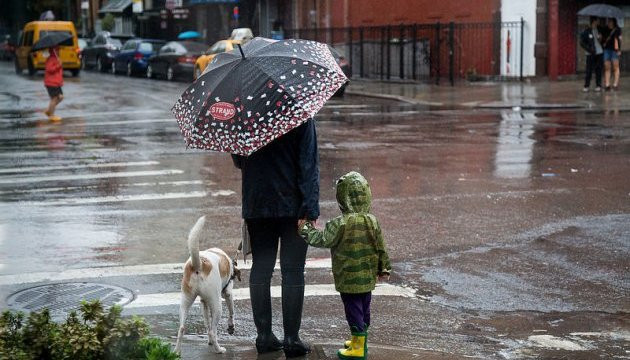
<point x="510" y="229"/>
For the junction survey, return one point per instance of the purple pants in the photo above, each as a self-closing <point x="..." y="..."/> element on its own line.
<point x="357" y="307"/>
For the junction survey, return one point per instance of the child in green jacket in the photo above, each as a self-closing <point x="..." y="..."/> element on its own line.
<point x="358" y="257"/>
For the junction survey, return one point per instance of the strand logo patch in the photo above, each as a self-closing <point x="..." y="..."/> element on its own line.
<point x="222" y="111"/>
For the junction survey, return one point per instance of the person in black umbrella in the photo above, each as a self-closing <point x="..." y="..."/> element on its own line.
<point x="612" y="52"/>
<point x="53" y="80"/>
<point x="280" y="189"/>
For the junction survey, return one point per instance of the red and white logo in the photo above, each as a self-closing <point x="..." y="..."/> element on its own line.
<point x="222" y="111"/>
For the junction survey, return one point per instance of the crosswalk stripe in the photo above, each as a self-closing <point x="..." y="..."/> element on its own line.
<point x="128" y="270"/>
<point x="31" y="179"/>
<point x="76" y="166"/>
<point x="120" y="198"/>
<point x="173" y="298"/>
<point x="86" y="187"/>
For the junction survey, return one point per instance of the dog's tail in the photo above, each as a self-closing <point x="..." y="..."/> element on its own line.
<point x="193" y="242"/>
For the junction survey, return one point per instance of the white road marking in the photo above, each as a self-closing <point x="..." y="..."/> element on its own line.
<point x="558" y="343"/>
<point x="30" y="179"/>
<point x="26" y="154"/>
<point x="72" y="188"/>
<point x="71" y="115"/>
<point x="76" y="166"/>
<point x="116" y="198"/>
<point x="173" y="298"/>
<point x="129" y="270"/>
<point x="129" y="122"/>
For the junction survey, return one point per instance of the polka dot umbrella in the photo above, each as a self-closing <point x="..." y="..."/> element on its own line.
<point x="252" y="95"/>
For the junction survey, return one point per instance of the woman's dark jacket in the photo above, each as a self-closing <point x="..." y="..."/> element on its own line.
<point x="282" y="178"/>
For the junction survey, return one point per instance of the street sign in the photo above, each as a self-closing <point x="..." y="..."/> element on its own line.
<point x="85" y="5"/>
<point x="137" y="6"/>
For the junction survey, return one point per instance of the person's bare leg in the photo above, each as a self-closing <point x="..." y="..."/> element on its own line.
<point x="615" y="66"/>
<point x="607" y="74"/>
<point x="51" y="107"/>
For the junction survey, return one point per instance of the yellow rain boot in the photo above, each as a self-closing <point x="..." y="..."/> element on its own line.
<point x="347" y="343"/>
<point x="357" y="349"/>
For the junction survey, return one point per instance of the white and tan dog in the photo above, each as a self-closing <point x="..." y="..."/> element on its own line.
<point x="208" y="274"/>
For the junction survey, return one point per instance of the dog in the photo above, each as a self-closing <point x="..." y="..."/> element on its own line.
<point x="210" y="275"/>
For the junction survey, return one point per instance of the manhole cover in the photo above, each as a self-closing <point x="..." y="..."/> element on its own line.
<point x="62" y="298"/>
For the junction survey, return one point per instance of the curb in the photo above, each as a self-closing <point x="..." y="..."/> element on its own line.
<point x="394" y="97"/>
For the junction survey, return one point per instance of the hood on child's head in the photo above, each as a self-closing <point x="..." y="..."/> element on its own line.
<point x="353" y="193"/>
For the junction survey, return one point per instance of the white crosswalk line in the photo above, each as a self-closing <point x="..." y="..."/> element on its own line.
<point x="31" y="179"/>
<point x="76" y="166"/>
<point x="117" y="198"/>
<point x="129" y="270"/>
<point x="173" y="298"/>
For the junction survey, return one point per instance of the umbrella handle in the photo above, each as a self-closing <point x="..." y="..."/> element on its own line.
<point x="241" y="50"/>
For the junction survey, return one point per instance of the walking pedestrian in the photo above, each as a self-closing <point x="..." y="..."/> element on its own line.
<point x="280" y="185"/>
<point x="612" y="52"/>
<point x="590" y="40"/>
<point x="358" y="257"/>
<point x="53" y="80"/>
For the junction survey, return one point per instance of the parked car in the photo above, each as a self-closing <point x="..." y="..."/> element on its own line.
<point x="133" y="57"/>
<point x="7" y="48"/>
<point x="175" y="59"/>
<point x="83" y="43"/>
<point x="345" y="67"/>
<point x="33" y="61"/>
<point x="218" y="47"/>
<point x="243" y="34"/>
<point x="101" y="51"/>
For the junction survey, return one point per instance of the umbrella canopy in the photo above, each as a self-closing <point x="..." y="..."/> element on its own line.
<point x="51" y="39"/>
<point x="603" y="10"/>
<point x="252" y="95"/>
<point x="188" y="35"/>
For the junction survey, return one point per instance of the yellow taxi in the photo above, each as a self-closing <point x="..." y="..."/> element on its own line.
<point x="33" y="31"/>
<point x="218" y="47"/>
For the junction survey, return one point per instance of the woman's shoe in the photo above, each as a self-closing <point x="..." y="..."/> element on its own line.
<point x="615" y="88"/>
<point x="294" y="347"/>
<point x="267" y="345"/>
<point x="292" y="303"/>
<point x="607" y="88"/>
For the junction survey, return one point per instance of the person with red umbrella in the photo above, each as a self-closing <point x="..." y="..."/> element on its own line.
<point x="257" y="103"/>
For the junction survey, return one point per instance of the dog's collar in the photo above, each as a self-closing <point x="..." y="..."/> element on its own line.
<point x="235" y="273"/>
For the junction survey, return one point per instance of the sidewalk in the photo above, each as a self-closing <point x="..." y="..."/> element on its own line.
<point x="198" y="349"/>
<point x="526" y="95"/>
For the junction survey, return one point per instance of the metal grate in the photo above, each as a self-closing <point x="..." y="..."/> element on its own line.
<point x="62" y="298"/>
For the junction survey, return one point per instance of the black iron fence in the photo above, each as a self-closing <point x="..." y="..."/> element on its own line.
<point x="427" y="52"/>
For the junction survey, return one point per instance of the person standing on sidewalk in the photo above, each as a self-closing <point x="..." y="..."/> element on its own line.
<point x="590" y="40"/>
<point x="53" y="80"/>
<point x="612" y="52"/>
<point x="280" y="188"/>
<point x="359" y="257"/>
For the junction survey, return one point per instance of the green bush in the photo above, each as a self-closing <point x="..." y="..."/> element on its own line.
<point x="92" y="334"/>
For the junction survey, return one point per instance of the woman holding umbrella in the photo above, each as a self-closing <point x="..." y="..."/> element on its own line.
<point x="53" y="80"/>
<point x="53" y="76"/>
<point x="257" y="103"/>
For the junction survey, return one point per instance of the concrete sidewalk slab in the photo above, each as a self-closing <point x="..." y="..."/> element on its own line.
<point x="495" y="95"/>
<point x="198" y="349"/>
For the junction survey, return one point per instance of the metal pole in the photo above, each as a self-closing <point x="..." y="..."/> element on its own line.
<point x="522" y="38"/>
<point x="389" y="53"/>
<point x="361" y="50"/>
<point x="414" y="39"/>
<point x="350" y="48"/>
<point x="382" y="52"/>
<point x="401" y="42"/>
<point x="438" y="29"/>
<point x="451" y="53"/>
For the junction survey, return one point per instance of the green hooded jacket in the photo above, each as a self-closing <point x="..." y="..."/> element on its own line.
<point x="354" y="238"/>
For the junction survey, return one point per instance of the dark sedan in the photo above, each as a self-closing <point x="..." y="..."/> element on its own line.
<point x="176" y="59"/>
<point x="101" y="52"/>
<point x="134" y="56"/>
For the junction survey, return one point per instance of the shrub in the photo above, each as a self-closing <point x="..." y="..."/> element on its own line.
<point x="92" y="334"/>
